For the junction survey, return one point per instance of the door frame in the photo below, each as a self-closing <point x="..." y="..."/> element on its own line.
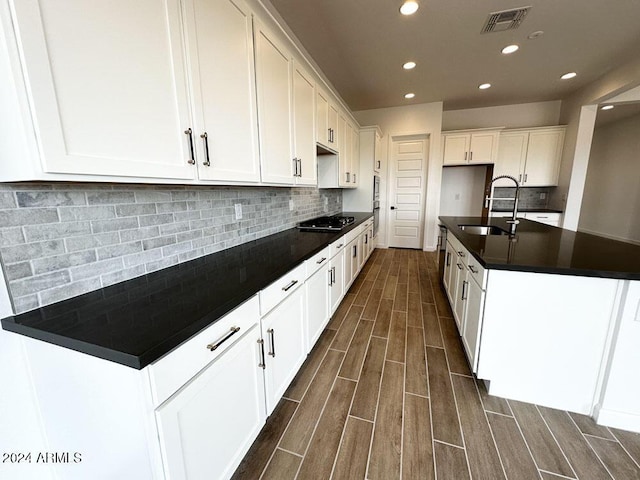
<point x="425" y="170"/>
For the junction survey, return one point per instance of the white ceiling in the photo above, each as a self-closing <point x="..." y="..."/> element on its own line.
<point x="360" y="45"/>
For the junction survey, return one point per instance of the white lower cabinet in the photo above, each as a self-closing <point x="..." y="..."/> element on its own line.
<point x="284" y="346"/>
<point x="317" y="305"/>
<point x="336" y="278"/>
<point x="208" y="426"/>
<point x="473" y="321"/>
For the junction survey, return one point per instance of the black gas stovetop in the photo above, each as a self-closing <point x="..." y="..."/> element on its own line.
<point x="326" y="224"/>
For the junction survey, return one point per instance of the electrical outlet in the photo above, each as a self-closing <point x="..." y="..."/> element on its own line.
<point x="238" y="211"/>
<point x="543" y="195"/>
<point x="291" y="204"/>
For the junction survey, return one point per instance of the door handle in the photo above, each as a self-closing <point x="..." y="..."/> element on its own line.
<point x="393" y="208"/>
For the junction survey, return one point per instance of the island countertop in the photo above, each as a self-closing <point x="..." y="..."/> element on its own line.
<point x="541" y="248"/>
<point x="135" y="322"/>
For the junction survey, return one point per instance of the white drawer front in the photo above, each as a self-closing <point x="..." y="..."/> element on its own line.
<point x="176" y="368"/>
<point x="337" y="246"/>
<point x="477" y="271"/>
<point x="317" y="261"/>
<point x="281" y="288"/>
<point x="353" y="234"/>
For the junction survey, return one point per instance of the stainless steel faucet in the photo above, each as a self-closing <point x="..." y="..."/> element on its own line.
<point x="514" y="220"/>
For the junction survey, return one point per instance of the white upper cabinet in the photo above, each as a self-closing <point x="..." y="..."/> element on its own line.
<point x="221" y="60"/>
<point x="322" y="117"/>
<point x="465" y="147"/>
<point x="273" y="75"/>
<point x="107" y="86"/>
<point x="531" y="156"/>
<point x="304" y="127"/>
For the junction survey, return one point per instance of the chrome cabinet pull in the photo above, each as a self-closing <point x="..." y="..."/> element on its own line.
<point x="214" y="345"/>
<point x="461" y="253"/>
<point x="448" y="259"/>
<point x="293" y="282"/>
<point x="272" y="351"/>
<point x="520" y="177"/>
<point x="330" y="272"/>
<point x="300" y="169"/>
<point x="295" y="167"/>
<point x="459" y="265"/>
<point x="525" y="178"/>
<point x="192" y="161"/>
<point x="465" y="284"/>
<point x="262" y="363"/>
<point x="355" y="251"/>
<point x="366" y="238"/>
<point x="333" y="275"/>
<point x="471" y="156"/>
<point x="354" y="178"/>
<point x="465" y="156"/>
<point x="473" y="269"/>
<point x="378" y="164"/>
<point x="205" y="137"/>
<point x="340" y="246"/>
<point x="321" y="260"/>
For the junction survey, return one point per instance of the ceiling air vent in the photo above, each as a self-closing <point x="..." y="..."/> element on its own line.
<point x="505" y="20"/>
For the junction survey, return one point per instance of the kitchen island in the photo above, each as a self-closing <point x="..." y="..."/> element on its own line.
<point x="540" y="315"/>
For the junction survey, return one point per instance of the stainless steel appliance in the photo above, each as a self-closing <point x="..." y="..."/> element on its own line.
<point x="334" y="223"/>
<point x="376" y="204"/>
<point x="441" y="249"/>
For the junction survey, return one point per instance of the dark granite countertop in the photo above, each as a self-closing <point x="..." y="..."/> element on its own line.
<point x="545" y="249"/>
<point x="136" y="322"/>
<point x="526" y="210"/>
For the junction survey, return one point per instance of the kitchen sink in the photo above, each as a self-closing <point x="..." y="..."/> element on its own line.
<point x="483" y="230"/>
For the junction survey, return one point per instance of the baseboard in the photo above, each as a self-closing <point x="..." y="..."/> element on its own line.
<point x="616" y="419"/>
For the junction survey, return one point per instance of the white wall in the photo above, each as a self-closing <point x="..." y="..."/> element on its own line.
<point x="425" y="118"/>
<point x="578" y="112"/>
<point x="538" y="114"/>
<point x="611" y="200"/>
<point x="462" y="191"/>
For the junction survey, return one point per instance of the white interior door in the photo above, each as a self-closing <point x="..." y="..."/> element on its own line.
<point x="407" y="190"/>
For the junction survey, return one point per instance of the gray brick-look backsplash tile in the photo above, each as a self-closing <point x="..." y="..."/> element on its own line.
<point x="529" y="197"/>
<point x="64" y="239"/>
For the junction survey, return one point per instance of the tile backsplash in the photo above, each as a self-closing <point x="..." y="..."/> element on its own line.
<point x="61" y="240"/>
<point x="529" y="197"/>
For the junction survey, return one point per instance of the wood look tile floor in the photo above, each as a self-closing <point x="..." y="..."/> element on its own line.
<point x="387" y="393"/>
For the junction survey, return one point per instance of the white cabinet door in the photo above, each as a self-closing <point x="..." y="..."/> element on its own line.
<point x="460" y="293"/>
<point x="273" y="78"/>
<point x="334" y="134"/>
<point x="107" y="84"/>
<point x="322" y="117"/>
<point x="377" y="154"/>
<point x="355" y="156"/>
<point x="455" y="149"/>
<point x="220" y="41"/>
<point x="284" y="345"/>
<point x="482" y="148"/>
<point x="543" y="157"/>
<point x="473" y="322"/>
<point x="208" y="426"/>
<point x="512" y="154"/>
<point x="344" y="155"/>
<point x="449" y="258"/>
<point x="304" y="127"/>
<point x="317" y="305"/>
<point x="350" y="263"/>
<point x="337" y="287"/>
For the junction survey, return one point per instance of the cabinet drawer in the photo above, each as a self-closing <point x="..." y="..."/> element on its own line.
<point x="348" y="237"/>
<point x="180" y="365"/>
<point x="337" y="246"/>
<point x="281" y="289"/>
<point x="318" y="260"/>
<point x="476" y="271"/>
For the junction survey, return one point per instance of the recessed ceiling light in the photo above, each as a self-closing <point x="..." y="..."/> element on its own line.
<point x="569" y="75"/>
<point x="409" y="95"/>
<point x="484" y="86"/>
<point x="409" y="65"/>
<point x="510" y="49"/>
<point x="606" y="107"/>
<point x="534" y="35"/>
<point x="409" y="7"/>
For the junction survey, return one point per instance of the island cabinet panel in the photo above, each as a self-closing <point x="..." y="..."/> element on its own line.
<point x="208" y="426"/>
<point x="544" y="337"/>
<point x="107" y="86"/>
<point x="620" y="404"/>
